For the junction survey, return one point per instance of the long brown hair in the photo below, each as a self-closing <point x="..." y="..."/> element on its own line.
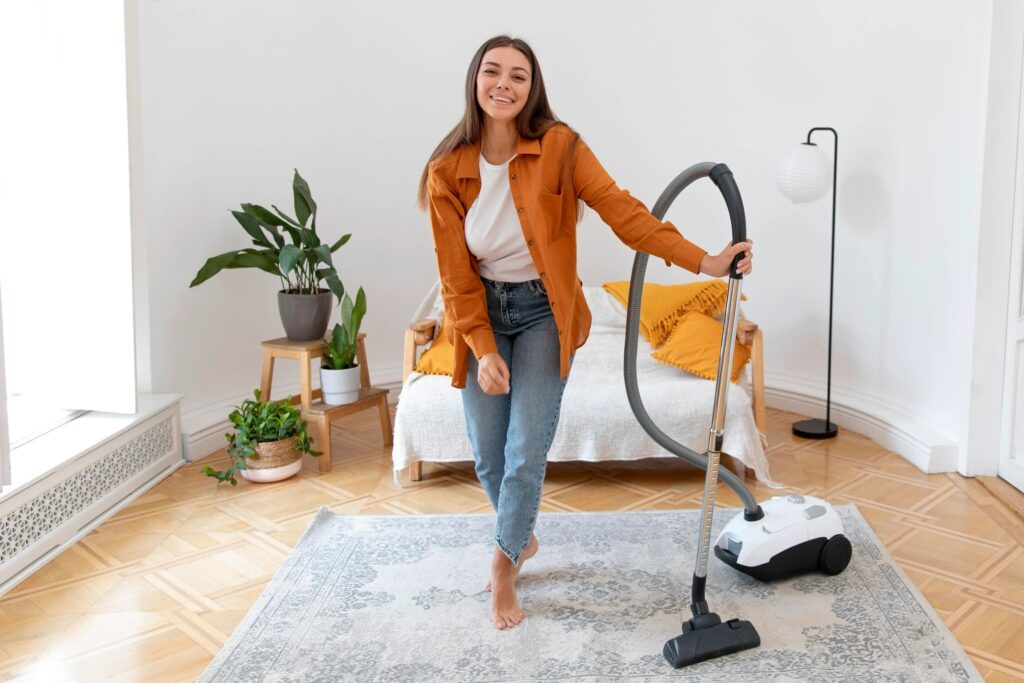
<point x="534" y="120"/>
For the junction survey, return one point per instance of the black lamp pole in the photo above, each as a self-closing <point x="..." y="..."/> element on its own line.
<point x="814" y="428"/>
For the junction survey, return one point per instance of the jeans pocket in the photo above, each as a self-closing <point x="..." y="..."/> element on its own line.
<point x="537" y="288"/>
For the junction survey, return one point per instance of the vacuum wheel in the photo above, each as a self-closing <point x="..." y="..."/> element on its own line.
<point x="835" y="555"/>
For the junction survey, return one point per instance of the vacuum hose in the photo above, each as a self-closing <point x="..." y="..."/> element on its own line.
<point x="722" y="177"/>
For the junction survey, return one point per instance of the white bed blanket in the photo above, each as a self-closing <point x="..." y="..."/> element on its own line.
<point x="596" y="422"/>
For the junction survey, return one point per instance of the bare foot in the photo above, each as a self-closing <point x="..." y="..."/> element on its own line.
<point x="505" y="610"/>
<point x="528" y="552"/>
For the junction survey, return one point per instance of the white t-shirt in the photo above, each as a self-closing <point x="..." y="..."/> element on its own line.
<point x="493" y="232"/>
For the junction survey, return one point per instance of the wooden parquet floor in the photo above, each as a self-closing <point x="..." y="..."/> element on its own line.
<point x="153" y="593"/>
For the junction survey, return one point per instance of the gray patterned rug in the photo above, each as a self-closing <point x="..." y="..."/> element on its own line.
<point x="404" y="599"/>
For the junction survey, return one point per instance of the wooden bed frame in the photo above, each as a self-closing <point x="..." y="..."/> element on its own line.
<point x="422" y="332"/>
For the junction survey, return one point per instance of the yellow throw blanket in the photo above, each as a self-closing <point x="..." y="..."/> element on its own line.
<point x="663" y="305"/>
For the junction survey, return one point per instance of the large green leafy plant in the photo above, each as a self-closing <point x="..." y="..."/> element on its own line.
<point x="258" y="422"/>
<point x="302" y="265"/>
<point x="341" y="345"/>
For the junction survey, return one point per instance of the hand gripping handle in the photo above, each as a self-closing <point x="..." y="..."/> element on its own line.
<point x="722" y="177"/>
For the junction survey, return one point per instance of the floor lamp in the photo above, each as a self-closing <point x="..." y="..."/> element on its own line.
<point x="803" y="177"/>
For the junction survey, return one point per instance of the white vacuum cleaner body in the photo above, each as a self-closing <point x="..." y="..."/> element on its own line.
<point x="797" y="534"/>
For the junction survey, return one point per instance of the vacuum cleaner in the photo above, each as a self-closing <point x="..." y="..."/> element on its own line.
<point x="788" y="535"/>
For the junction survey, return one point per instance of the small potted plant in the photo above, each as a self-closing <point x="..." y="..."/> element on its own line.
<point x="339" y="372"/>
<point x="268" y="442"/>
<point x="302" y="266"/>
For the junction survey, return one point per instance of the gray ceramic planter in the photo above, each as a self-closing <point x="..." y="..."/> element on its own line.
<point x="305" y="316"/>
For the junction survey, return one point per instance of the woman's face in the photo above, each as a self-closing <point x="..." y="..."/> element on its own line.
<point x="503" y="83"/>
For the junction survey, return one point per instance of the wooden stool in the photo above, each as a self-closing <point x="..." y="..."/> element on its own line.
<point x="314" y="411"/>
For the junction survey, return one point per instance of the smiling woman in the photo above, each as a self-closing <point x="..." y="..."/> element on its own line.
<point x="504" y="189"/>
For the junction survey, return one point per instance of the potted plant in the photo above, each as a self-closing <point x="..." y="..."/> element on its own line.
<point x="303" y="266"/>
<point x="339" y="372"/>
<point x="268" y="442"/>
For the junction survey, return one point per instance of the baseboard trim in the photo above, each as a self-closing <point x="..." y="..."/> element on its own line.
<point x="904" y="432"/>
<point x="908" y="434"/>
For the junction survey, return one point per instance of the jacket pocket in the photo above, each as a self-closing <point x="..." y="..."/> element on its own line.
<point x="553" y="209"/>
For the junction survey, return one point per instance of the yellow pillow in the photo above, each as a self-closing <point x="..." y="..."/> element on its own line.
<point x="694" y="347"/>
<point x="663" y="305"/>
<point x="439" y="358"/>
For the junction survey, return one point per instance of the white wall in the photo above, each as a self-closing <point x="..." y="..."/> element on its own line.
<point x="235" y="94"/>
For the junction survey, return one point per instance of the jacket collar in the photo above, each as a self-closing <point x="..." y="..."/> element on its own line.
<point x="469" y="156"/>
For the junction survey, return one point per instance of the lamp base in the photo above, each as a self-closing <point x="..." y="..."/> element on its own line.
<point x="815" y="429"/>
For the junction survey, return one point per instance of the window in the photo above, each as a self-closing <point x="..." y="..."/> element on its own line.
<point x="66" y="263"/>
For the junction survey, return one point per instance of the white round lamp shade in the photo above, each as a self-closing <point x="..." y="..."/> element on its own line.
<point x="804" y="175"/>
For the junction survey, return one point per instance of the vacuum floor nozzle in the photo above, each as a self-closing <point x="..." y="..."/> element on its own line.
<point x="710" y="637"/>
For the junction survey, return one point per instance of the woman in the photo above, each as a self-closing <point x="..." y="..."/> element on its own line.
<point x="503" y="190"/>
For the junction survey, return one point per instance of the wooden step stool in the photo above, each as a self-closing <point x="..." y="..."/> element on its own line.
<point x="317" y="415"/>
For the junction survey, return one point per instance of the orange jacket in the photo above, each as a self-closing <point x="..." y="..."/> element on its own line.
<point x="546" y="203"/>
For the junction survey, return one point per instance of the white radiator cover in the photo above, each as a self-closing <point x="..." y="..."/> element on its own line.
<point x="46" y="517"/>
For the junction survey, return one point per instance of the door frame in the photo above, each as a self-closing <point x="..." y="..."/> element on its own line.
<point x="5" y="438"/>
<point x="983" y="427"/>
<point x="1011" y="470"/>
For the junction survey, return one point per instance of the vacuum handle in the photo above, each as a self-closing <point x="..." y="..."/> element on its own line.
<point x="722" y="177"/>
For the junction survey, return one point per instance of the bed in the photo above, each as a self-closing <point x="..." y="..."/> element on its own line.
<point x="596" y="423"/>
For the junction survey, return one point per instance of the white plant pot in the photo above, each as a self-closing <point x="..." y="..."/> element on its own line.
<point x="339" y="386"/>
<point x="268" y="474"/>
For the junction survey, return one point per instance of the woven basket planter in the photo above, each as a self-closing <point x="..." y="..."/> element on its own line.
<point x="277" y="460"/>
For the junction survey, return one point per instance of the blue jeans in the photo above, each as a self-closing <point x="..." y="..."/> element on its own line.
<point x="511" y="433"/>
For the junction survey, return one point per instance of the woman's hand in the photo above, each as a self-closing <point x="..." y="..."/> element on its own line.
<point x="492" y="374"/>
<point x="718" y="266"/>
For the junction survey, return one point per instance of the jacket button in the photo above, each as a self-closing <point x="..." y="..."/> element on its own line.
<point x="529" y="242"/>
<point x="542" y="274"/>
<point x="513" y="176"/>
<point x="520" y="209"/>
